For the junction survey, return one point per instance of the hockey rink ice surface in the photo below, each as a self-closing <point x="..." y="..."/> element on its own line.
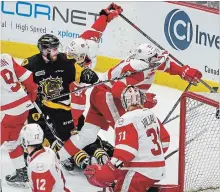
<point x="166" y="98"/>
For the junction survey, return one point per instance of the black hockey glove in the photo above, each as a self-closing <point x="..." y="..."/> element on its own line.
<point x="88" y="76"/>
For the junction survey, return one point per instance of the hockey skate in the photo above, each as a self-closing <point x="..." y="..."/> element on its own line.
<point x="68" y="165"/>
<point x="19" y="178"/>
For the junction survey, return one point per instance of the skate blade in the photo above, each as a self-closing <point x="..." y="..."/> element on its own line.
<point x="25" y="185"/>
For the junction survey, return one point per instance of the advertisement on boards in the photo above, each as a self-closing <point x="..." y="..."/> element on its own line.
<point x="181" y="33"/>
<point x="185" y="32"/>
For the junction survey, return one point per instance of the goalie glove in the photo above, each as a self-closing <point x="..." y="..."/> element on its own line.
<point x="82" y="159"/>
<point x="101" y="175"/>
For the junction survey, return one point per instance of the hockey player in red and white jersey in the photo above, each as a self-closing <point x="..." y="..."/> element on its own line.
<point x="105" y="105"/>
<point x="44" y="170"/>
<point x="84" y="50"/>
<point x="15" y="106"/>
<point x="138" y="160"/>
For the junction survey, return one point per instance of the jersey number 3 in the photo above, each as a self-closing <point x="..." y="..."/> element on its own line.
<point x="152" y="133"/>
<point x="8" y="78"/>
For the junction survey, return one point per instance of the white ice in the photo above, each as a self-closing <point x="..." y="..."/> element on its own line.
<point x="77" y="183"/>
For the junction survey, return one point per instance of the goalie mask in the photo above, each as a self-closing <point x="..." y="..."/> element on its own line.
<point x="31" y="134"/>
<point x="49" y="46"/>
<point x="132" y="96"/>
<point x="78" y="49"/>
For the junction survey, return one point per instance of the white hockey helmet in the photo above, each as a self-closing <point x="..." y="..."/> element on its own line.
<point x="78" y="49"/>
<point x="145" y="52"/>
<point x="132" y="96"/>
<point x="31" y="134"/>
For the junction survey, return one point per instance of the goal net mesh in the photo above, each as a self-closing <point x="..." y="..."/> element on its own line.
<point x="199" y="143"/>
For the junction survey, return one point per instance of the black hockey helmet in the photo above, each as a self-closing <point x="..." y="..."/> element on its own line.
<point x="48" y="41"/>
<point x="46" y="44"/>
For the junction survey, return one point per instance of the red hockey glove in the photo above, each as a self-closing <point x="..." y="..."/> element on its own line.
<point x="112" y="11"/>
<point x="114" y="6"/>
<point x="191" y="74"/>
<point x="151" y="101"/>
<point x="101" y="175"/>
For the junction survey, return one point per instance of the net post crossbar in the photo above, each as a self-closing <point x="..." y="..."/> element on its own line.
<point x="199" y="144"/>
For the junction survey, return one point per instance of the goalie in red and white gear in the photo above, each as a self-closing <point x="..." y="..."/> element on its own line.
<point x="138" y="160"/>
<point x="44" y="170"/>
<point x="105" y="104"/>
<point x="15" y="106"/>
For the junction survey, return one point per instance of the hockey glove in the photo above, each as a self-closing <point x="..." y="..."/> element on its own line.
<point x="151" y="101"/>
<point x="88" y="76"/>
<point x="101" y="175"/>
<point x="111" y="12"/>
<point x="190" y="74"/>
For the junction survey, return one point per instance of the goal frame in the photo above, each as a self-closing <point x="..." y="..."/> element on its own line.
<point x="182" y="139"/>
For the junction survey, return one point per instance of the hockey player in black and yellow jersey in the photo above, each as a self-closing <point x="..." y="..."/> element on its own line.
<point x="54" y="72"/>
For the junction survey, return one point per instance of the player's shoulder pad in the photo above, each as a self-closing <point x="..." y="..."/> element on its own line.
<point x="43" y="162"/>
<point x="33" y="60"/>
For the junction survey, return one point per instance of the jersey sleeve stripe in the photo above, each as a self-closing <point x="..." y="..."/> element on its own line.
<point x="165" y="144"/>
<point x="146" y="164"/>
<point x="24" y="76"/>
<point x="15" y="103"/>
<point x="78" y="106"/>
<point x="127" y="148"/>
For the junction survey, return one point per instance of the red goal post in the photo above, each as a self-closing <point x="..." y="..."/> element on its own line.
<point x="199" y="144"/>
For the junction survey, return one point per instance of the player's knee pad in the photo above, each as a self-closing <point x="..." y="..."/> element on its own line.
<point x="86" y="136"/>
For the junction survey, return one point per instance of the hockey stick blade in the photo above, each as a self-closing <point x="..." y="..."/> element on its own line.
<point x="160" y="47"/>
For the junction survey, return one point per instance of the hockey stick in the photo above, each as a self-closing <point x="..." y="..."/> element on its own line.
<point x="177" y="116"/>
<point x="187" y="143"/>
<point x="160" y="47"/>
<point x="47" y="123"/>
<point x="175" y="105"/>
<point x="107" y="81"/>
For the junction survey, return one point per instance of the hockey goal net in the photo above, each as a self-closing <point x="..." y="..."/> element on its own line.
<point x="199" y="154"/>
